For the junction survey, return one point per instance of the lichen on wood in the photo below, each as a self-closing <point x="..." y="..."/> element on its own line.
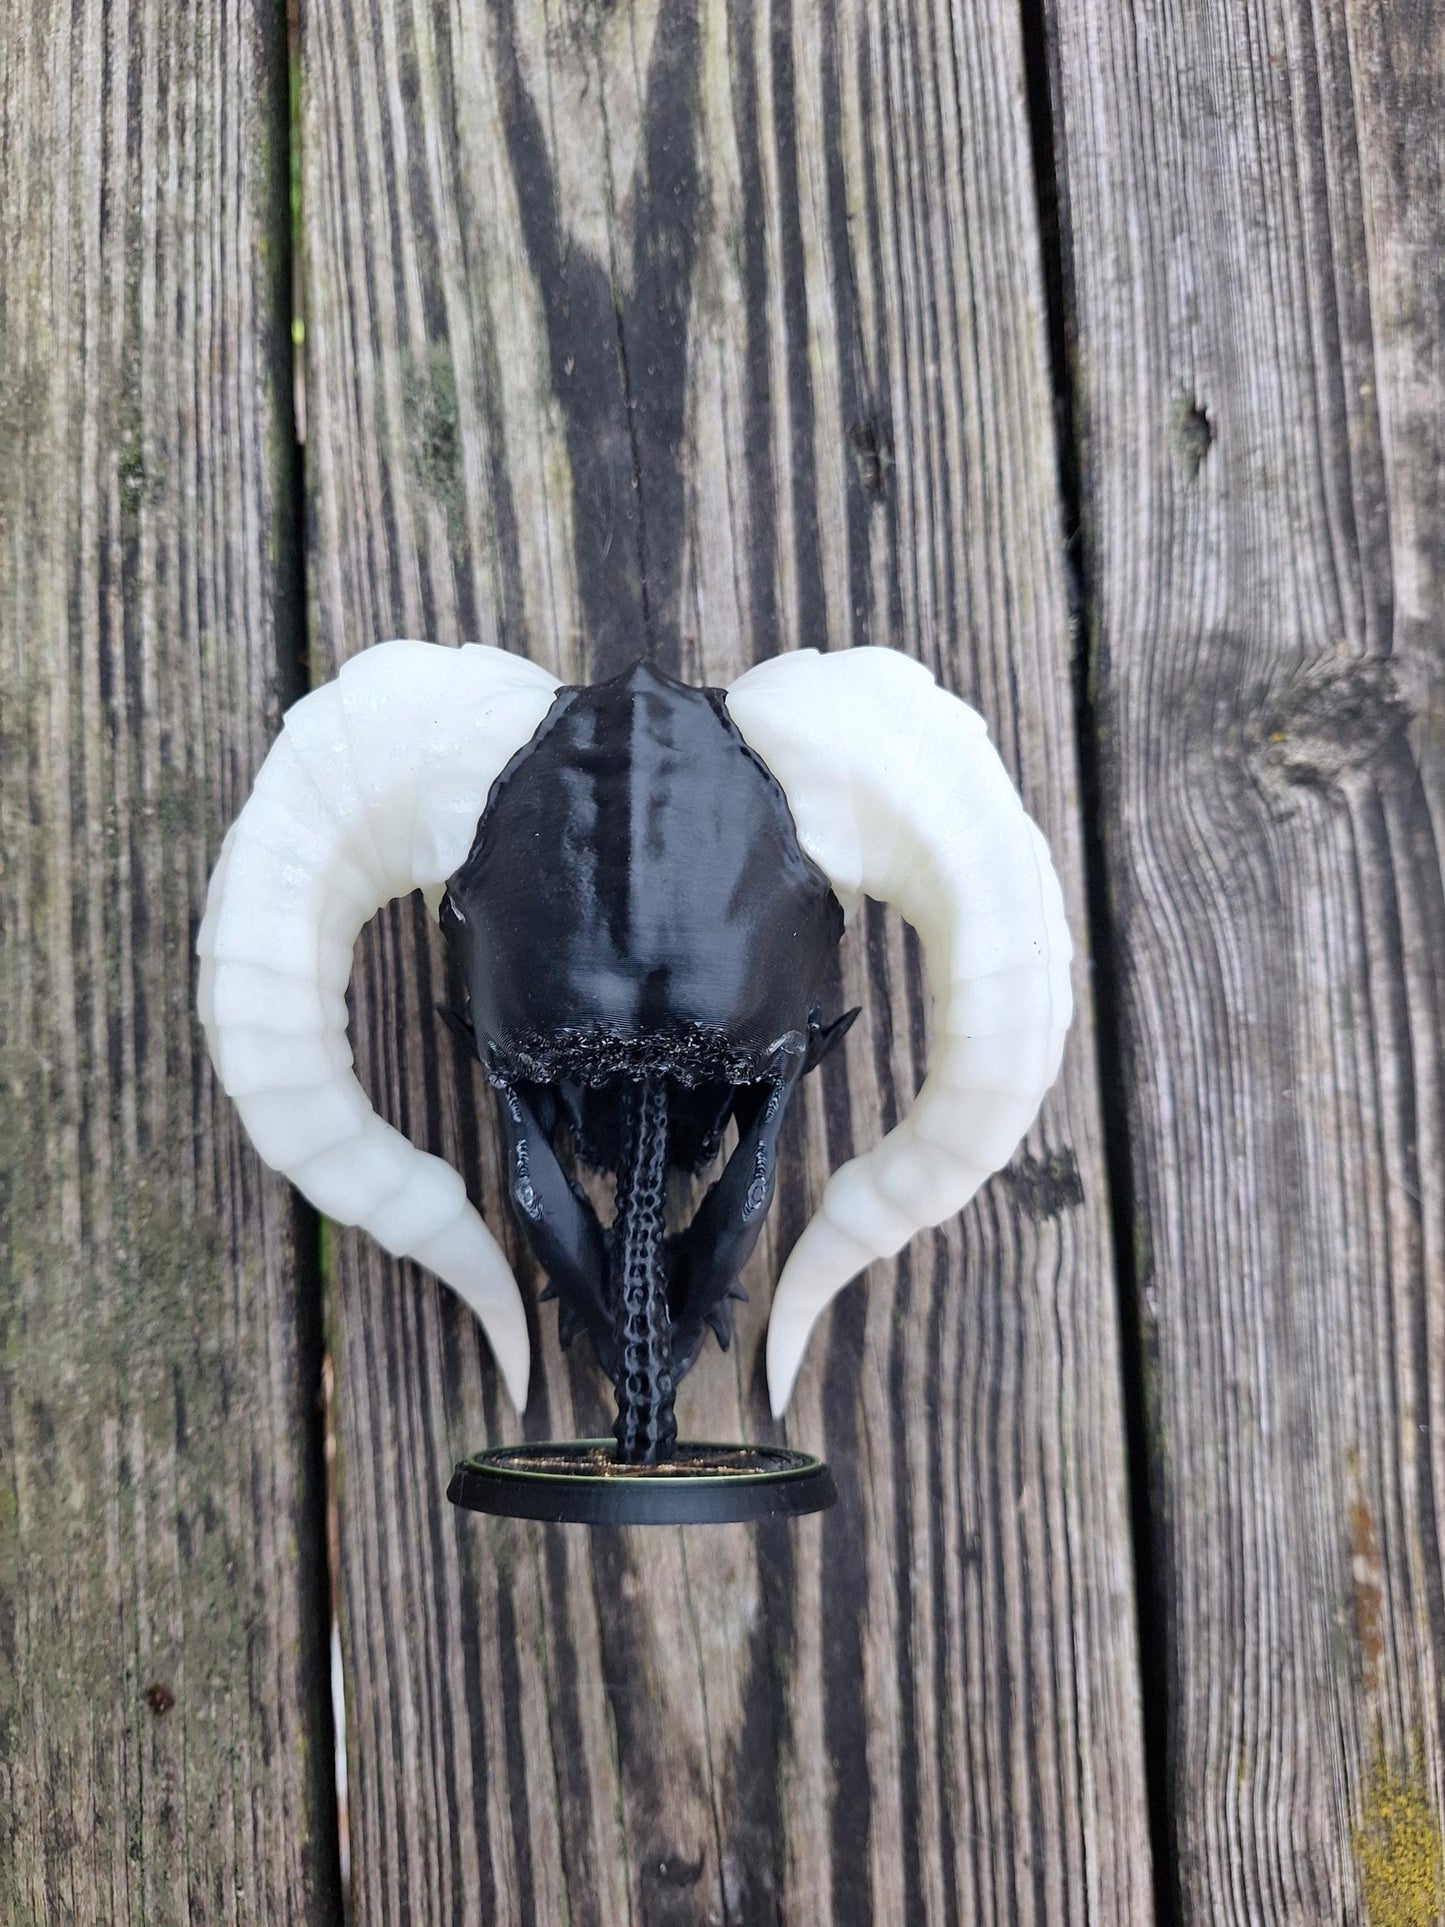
<point x="1398" y="1846"/>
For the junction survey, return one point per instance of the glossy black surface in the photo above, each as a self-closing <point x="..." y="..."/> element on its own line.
<point x="741" y="1484"/>
<point x="641" y="933"/>
<point x="636" y="874"/>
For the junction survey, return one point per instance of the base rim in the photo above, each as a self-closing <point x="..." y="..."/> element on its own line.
<point x="742" y="1483"/>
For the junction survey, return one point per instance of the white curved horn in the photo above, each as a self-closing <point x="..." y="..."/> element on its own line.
<point x="373" y="789"/>
<point x="898" y="794"/>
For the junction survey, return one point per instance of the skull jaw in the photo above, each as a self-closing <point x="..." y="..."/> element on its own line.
<point x="645" y="1297"/>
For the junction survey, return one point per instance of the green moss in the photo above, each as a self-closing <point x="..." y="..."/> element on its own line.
<point x="28" y="1183"/>
<point x="182" y="806"/>
<point x="293" y="108"/>
<point x="1398" y="1846"/>
<point x="433" y="431"/>
<point x="169" y="1268"/>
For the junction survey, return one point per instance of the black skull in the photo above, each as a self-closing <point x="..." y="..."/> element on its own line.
<point x="643" y="940"/>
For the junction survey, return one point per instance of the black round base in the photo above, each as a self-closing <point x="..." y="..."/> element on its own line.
<point x="577" y="1481"/>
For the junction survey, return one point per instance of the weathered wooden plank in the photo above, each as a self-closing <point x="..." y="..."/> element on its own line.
<point x="164" y="1725"/>
<point x="705" y="332"/>
<point x="1255" y="213"/>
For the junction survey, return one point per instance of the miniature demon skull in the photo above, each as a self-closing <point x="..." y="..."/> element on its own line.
<point x="643" y="885"/>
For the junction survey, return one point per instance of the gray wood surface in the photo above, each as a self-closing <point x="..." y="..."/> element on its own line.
<point x="164" y="1726"/>
<point x="1255" y="222"/>
<point x="706" y="330"/>
<point x="709" y="331"/>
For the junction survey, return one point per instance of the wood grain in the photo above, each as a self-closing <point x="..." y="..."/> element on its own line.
<point x="1255" y="221"/>
<point x="164" y="1728"/>
<point x="709" y="331"/>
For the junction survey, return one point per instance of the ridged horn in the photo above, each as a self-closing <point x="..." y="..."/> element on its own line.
<point x="898" y="794"/>
<point x="373" y="789"/>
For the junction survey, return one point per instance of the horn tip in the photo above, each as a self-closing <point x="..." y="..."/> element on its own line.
<point x="516" y="1376"/>
<point x="783" y="1362"/>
